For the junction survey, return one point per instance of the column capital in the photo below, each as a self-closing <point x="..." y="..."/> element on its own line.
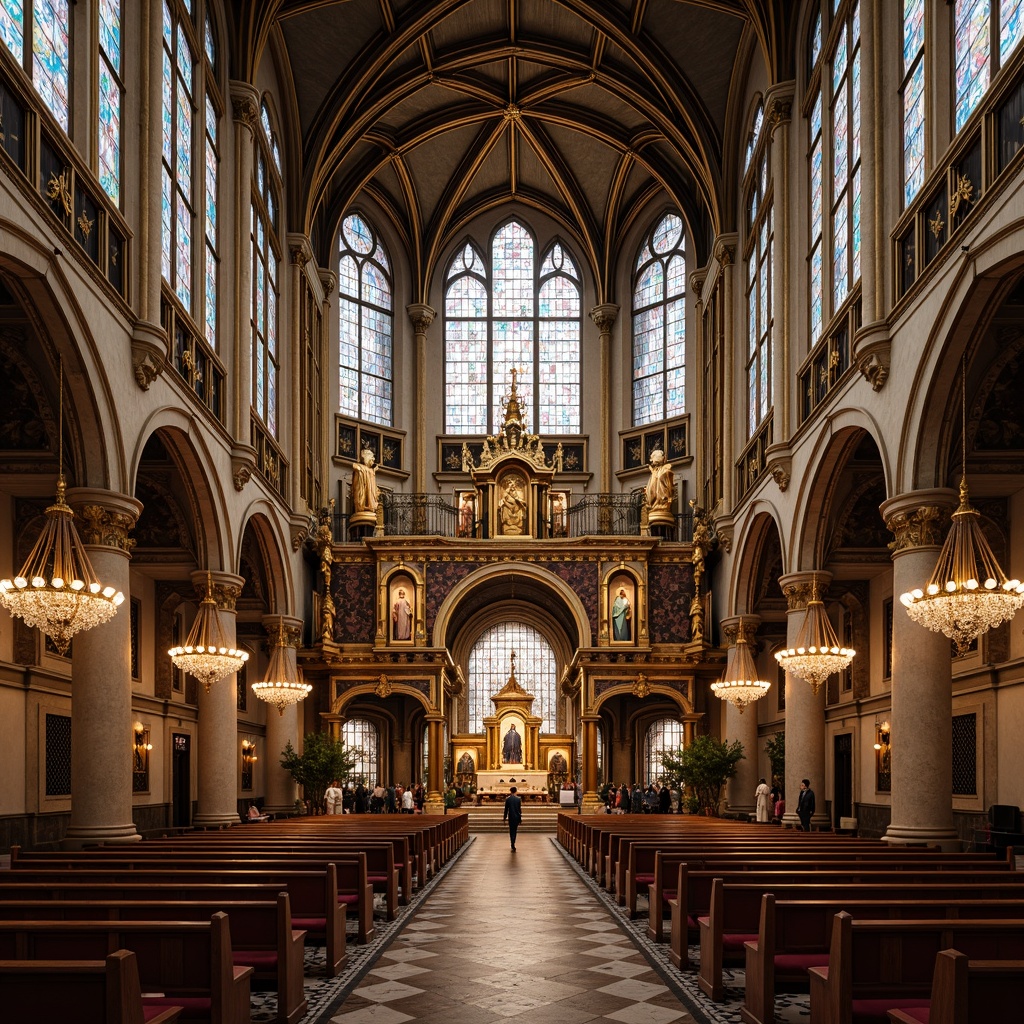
<point x="300" y="250"/>
<point x="288" y="625"/>
<point x="226" y="587"/>
<point x="605" y="316"/>
<point x="245" y="105"/>
<point x="918" y="519"/>
<point x="778" y="105"/>
<point x="724" y="249"/>
<point x="421" y="315"/>
<point x="797" y="587"/>
<point x="107" y="517"/>
<point x="328" y="281"/>
<point x="731" y="625"/>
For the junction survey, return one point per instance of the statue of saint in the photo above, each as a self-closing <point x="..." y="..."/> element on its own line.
<point x="512" y="509"/>
<point x="327" y="611"/>
<point x="660" y="488"/>
<point x="365" y="493"/>
<point x="401" y="617"/>
<point x="512" y="748"/>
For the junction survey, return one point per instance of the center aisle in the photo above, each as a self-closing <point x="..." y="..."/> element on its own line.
<point x="508" y="934"/>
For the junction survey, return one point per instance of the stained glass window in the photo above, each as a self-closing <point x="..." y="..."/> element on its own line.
<point x="361" y="736"/>
<point x="51" y="56"/>
<point x="366" y="313"/>
<point x="984" y="35"/>
<point x="759" y="250"/>
<point x="212" y="163"/>
<point x="111" y="92"/>
<point x="265" y="289"/>
<point x="512" y="311"/>
<point x="845" y="225"/>
<point x="1011" y="26"/>
<point x="816" y="261"/>
<point x="913" y="98"/>
<point x="12" y="27"/>
<point x="536" y="671"/>
<point x="663" y="737"/>
<point x="659" y="323"/>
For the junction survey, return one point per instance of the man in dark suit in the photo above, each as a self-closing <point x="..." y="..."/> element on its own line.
<point x="805" y="804"/>
<point x="513" y="815"/>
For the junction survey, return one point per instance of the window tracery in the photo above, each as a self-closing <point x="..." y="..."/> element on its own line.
<point x="362" y="737"/>
<point x="760" y="249"/>
<point x="665" y="736"/>
<point x="984" y="36"/>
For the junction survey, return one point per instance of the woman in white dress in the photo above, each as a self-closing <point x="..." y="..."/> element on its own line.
<point x="764" y="803"/>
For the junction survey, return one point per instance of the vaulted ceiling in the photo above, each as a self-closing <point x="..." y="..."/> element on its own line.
<point x="439" y="110"/>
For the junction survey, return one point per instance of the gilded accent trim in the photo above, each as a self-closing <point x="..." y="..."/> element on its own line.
<point x="917" y="528"/>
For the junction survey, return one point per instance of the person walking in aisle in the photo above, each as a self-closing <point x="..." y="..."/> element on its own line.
<point x="513" y="815"/>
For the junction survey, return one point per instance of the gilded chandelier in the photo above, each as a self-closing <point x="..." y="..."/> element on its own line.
<point x="57" y="590"/>
<point x="283" y="684"/>
<point x="206" y="653"/>
<point x="740" y="685"/>
<point x="968" y="592"/>
<point x="817" y="653"/>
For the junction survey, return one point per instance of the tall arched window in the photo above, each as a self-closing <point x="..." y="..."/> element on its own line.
<point x="913" y="98"/>
<point x="760" y="247"/>
<point x="984" y="35"/>
<point x="365" y="313"/>
<point x="111" y="95"/>
<point x="512" y="310"/>
<point x="362" y="736"/>
<point x="815" y="175"/>
<point x="659" y="323"/>
<point x="47" y="59"/>
<point x="663" y="737"/>
<point x="189" y="155"/>
<point x="266" y="249"/>
<point x="536" y="671"/>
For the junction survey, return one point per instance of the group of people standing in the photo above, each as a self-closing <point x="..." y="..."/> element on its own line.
<point x="379" y="799"/>
<point x="656" y="799"/>
<point x="771" y="806"/>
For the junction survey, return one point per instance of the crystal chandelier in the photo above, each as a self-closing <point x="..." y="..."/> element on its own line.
<point x="57" y="590"/>
<point x="817" y="653"/>
<point x="206" y="654"/>
<point x="968" y="592"/>
<point x="740" y="684"/>
<point x="283" y="684"/>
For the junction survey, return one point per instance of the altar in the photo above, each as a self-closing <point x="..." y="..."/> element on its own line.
<point x="502" y="781"/>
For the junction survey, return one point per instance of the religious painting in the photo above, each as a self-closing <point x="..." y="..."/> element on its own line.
<point x="621" y="609"/>
<point x="466" y="505"/>
<point x="558" y="512"/>
<point x="401" y="609"/>
<point x="512" y="744"/>
<point x="558" y="763"/>
<point x="466" y="765"/>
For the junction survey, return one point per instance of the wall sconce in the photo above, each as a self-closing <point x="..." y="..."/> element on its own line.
<point x="142" y="744"/>
<point x="882" y="731"/>
<point x="249" y="752"/>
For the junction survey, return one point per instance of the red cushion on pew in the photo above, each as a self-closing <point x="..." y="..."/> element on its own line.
<point x="193" y="1007"/>
<point x="376" y="878"/>
<point x="310" y="924"/>
<point x="800" y="961"/>
<point x="260" y="959"/>
<point x="691" y="922"/>
<point x="668" y="894"/>
<point x="736" y="941"/>
<point x="919" y="1013"/>
<point x="348" y="898"/>
<point x="876" y="1011"/>
<point x="644" y="879"/>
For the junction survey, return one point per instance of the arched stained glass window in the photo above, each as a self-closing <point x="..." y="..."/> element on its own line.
<point x="984" y="36"/>
<point x="111" y="96"/>
<point x="536" y="671"/>
<point x="659" y="323"/>
<point x="815" y="174"/>
<point x="913" y="98"/>
<point x="846" y="157"/>
<point x="663" y="737"/>
<point x="366" y="314"/>
<point x="512" y="310"/>
<point x="759" y="251"/>
<point x="363" y="737"/>
<point x="266" y="249"/>
<point x="47" y="61"/>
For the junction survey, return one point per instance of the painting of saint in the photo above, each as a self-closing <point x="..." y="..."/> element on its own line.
<point x="512" y="747"/>
<point x="621" y="612"/>
<point x="401" y="608"/>
<point x="466" y="505"/>
<point x="466" y="764"/>
<point x="559" y="514"/>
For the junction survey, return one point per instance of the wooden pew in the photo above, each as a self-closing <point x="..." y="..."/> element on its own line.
<point x="262" y="936"/>
<point x="968" y="991"/>
<point x="877" y="966"/>
<point x="795" y="927"/>
<point x="100" y="991"/>
<point x="189" y="962"/>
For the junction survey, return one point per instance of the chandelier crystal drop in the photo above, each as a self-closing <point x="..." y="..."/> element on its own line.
<point x="817" y="653"/>
<point x="206" y="654"/>
<point x="968" y="592"/>
<point x="283" y="685"/>
<point x="740" y="684"/>
<point x="57" y="590"/>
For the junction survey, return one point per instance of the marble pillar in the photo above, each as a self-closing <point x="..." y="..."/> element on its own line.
<point x="591" y="798"/>
<point x="217" y="767"/>
<point x="280" y="789"/>
<point x="922" y="685"/>
<point x="435" y="764"/>
<point x="805" y="710"/>
<point x="742" y="726"/>
<point x="101" y="682"/>
<point x="421" y="316"/>
<point x="604" y="316"/>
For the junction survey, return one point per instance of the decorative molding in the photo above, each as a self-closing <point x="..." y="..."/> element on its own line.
<point x="383" y="688"/>
<point x="779" y="462"/>
<point x="725" y="254"/>
<point x="244" y="107"/>
<point x="604" y="316"/>
<point x="797" y="593"/>
<point x="919" y="527"/>
<point x="149" y="353"/>
<point x="224" y="593"/>
<point x="642" y="687"/>
<point x="421" y="316"/>
<point x="778" y="112"/>
<point x="107" y="528"/>
<point x="243" y="465"/>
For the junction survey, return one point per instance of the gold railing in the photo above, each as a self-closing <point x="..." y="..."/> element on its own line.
<point x="829" y="360"/>
<point x="194" y="360"/>
<point x="753" y="463"/>
<point x="269" y="460"/>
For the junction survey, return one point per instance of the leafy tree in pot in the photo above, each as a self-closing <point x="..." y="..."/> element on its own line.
<point x="322" y="760"/>
<point x="705" y="765"/>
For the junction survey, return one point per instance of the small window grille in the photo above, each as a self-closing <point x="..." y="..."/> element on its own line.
<point x="58" y="755"/>
<point x="965" y="755"/>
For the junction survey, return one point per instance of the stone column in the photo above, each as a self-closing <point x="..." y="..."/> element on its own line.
<point x="590" y="726"/>
<point x="778" y="118"/>
<point x="422" y="316"/>
<point x="101" y="682"/>
<point x="217" y="759"/>
<point x="742" y="726"/>
<point x="301" y="253"/>
<point x="245" y="108"/>
<point x="281" y="789"/>
<point x="725" y="253"/>
<point x="435" y="761"/>
<point x="605" y="316"/>
<point x="805" y="710"/>
<point x="922" y="685"/>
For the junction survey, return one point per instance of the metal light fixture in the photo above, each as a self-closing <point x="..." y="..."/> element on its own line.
<point x="283" y="684"/>
<point x="740" y="685"/>
<point x="968" y="592"/>
<point x="57" y="590"/>
<point x="817" y="653"/>
<point x="206" y="653"/>
<point x="883" y="732"/>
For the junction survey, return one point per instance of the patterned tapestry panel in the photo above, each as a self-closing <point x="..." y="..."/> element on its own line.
<point x="441" y="577"/>
<point x="354" y="588"/>
<point x="582" y="577"/>
<point x="670" y="591"/>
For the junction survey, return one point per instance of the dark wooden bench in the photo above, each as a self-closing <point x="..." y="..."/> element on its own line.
<point x="966" y="991"/>
<point x="878" y="966"/>
<point x="795" y="927"/>
<point x="100" y="991"/>
<point x="262" y="936"/>
<point x="188" y="962"/>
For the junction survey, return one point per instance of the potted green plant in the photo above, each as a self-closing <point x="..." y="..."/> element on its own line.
<point x="705" y="766"/>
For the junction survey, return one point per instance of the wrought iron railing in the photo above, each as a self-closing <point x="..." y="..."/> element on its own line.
<point x="418" y="515"/>
<point x="605" y="515"/>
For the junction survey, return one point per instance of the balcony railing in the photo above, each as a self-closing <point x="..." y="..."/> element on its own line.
<point x="605" y="515"/>
<point x="418" y="515"/>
